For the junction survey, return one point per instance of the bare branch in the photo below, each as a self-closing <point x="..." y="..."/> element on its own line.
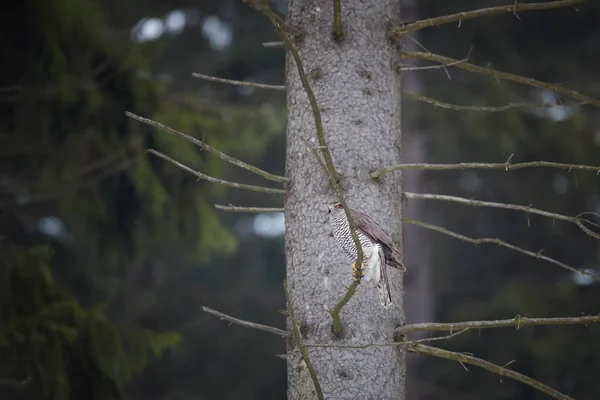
<point x="202" y="145"/>
<point x="517" y="322"/>
<point x="527" y="209"/>
<point x="496" y="369"/>
<point x="277" y="23"/>
<point x="507" y="166"/>
<point x="500" y="243"/>
<point x="503" y="75"/>
<point x="484" y="12"/>
<point x="390" y="344"/>
<point x="238" y="83"/>
<point x="298" y="340"/>
<point x="239" y="209"/>
<point x="200" y="175"/>
<point x="338" y="33"/>
<point x="246" y="324"/>
<point x="457" y="107"/>
<point x="428" y="67"/>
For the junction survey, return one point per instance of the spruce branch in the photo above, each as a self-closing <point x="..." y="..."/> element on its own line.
<point x="500" y="243"/>
<point x="458" y="107"/>
<point x="503" y="75"/>
<point x="506" y="166"/>
<point x="390" y="344"/>
<point x="264" y="8"/>
<point x="496" y="369"/>
<point x="210" y="149"/>
<point x="505" y="206"/>
<point x="222" y="182"/>
<point x="517" y="322"/>
<point x="246" y="324"/>
<point x="484" y="12"/>
<point x="298" y="340"/>
<point x="239" y="209"/>
<point x="238" y="83"/>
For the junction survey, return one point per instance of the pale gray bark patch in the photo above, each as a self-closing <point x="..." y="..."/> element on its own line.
<point x="358" y="90"/>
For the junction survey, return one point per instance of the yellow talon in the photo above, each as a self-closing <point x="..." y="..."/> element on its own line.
<point x="354" y="269"/>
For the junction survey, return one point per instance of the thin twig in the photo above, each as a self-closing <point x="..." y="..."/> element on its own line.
<point x="516" y="322"/>
<point x="239" y="209"/>
<point x="457" y="107"/>
<point x="500" y="243"/>
<point x="514" y="207"/>
<point x="338" y="32"/>
<point x="503" y="75"/>
<point x="484" y="12"/>
<point x="496" y="369"/>
<point x="389" y="344"/>
<point x="215" y="180"/>
<point x="238" y="83"/>
<point x="298" y="340"/>
<point x="277" y="23"/>
<point x="246" y="324"/>
<point x="507" y="166"/>
<point x="201" y="144"/>
<point x="428" y="67"/>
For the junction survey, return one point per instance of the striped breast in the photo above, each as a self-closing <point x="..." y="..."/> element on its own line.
<point x="341" y="232"/>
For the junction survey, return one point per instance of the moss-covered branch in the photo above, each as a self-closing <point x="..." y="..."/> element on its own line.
<point x="298" y="340"/>
<point x="264" y="8"/>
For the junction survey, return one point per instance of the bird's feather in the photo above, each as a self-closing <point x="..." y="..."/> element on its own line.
<point x="370" y="228"/>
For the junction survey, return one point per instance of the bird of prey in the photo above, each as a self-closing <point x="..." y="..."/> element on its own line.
<point x="378" y="248"/>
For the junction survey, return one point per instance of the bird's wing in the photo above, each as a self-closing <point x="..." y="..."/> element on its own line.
<point x="370" y="228"/>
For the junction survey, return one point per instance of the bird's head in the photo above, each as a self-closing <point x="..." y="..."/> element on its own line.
<point x="334" y="206"/>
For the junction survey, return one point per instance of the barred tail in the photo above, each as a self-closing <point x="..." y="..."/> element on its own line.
<point x="383" y="287"/>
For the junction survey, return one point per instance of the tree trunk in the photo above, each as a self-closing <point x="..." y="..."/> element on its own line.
<point x="357" y="85"/>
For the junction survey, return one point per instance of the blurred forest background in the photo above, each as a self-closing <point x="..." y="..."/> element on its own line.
<point x="107" y="253"/>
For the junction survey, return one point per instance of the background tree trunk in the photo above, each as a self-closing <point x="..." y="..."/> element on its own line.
<point x="357" y="85"/>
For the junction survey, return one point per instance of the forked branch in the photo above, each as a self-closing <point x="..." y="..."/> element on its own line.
<point x="496" y="369"/>
<point x="483" y="12"/>
<point x="222" y="182"/>
<point x="500" y="243"/>
<point x="210" y="149"/>
<point x="505" y="206"/>
<point x="502" y="75"/>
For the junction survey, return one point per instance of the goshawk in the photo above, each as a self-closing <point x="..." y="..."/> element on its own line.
<point x="378" y="248"/>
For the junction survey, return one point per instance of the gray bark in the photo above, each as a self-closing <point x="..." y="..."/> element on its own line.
<point x="357" y="86"/>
